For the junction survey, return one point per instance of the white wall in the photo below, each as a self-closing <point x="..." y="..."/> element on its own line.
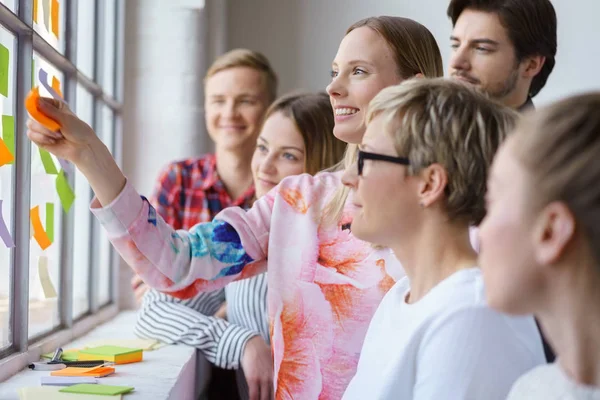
<point x="300" y="37"/>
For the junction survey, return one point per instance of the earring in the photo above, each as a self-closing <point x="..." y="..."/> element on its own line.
<point x="422" y="204"/>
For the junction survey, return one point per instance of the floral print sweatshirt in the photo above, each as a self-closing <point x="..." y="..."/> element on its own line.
<point x="324" y="284"/>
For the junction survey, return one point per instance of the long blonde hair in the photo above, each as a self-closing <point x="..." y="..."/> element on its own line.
<point x="415" y="52"/>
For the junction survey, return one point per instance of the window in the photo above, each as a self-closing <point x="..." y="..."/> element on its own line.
<point x="73" y="53"/>
<point x="7" y="169"/>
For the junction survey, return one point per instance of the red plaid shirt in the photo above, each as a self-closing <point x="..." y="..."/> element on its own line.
<point x="190" y="191"/>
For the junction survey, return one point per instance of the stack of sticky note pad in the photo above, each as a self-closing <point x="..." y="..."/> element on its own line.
<point x="115" y="354"/>
<point x="76" y="392"/>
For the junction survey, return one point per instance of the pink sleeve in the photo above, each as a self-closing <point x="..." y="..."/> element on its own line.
<point x="184" y="263"/>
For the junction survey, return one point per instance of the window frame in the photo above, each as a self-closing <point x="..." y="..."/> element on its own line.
<point x="23" y="349"/>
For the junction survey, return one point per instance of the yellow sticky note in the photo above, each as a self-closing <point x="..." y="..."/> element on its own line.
<point x="144" y="344"/>
<point x="65" y="193"/>
<point x="45" y="281"/>
<point x="53" y="393"/>
<point x="6" y="156"/>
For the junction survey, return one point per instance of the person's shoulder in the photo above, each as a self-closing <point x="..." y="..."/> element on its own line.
<point x="545" y="381"/>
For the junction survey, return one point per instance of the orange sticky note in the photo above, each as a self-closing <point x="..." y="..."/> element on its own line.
<point x="39" y="234"/>
<point x="96" y="372"/>
<point x="54" y="7"/>
<point x="6" y="157"/>
<point x="56" y="86"/>
<point x="34" y="111"/>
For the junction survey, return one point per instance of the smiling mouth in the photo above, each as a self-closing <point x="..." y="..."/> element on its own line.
<point x="345" y="111"/>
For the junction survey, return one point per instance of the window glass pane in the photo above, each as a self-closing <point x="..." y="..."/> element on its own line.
<point x="49" y="21"/>
<point x="104" y="273"/>
<point x="109" y="33"/>
<point x="45" y="215"/>
<point x="7" y="135"/>
<point x="11" y="4"/>
<point x="86" y="33"/>
<point x="83" y="220"/>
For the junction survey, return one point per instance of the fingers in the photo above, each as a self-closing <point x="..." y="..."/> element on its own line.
<point x="52" y="107"/>
<point x="136" y="281"/>
<point x="140" y="292"/>
<point x="265" y="390"/>
<point x="253" y="389"/>
<point x="34" y="126"/>
<point x="40" y="139"/>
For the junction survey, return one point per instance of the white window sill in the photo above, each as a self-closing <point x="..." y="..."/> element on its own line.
<point x="171" y="372"/>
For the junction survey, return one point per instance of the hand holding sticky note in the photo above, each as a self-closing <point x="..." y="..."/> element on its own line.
<point x="31" y="104"/>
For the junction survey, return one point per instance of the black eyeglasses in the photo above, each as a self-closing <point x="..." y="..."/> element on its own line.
<point x="365" y="155"/>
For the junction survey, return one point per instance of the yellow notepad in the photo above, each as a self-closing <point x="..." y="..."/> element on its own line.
<point x="116" y="354"/>
<point x="144" y="344"/>
<point x="53" y="393"/>
<point x="105" y="390"/>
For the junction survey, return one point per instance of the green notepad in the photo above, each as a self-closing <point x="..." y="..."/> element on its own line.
<point x="106" y="390"/>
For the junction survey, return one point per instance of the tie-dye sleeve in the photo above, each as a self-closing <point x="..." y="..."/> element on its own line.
<point x="184" y="263"/>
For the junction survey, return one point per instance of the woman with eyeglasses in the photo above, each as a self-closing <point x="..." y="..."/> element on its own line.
<point x="419" y="186"/>
<point x="323" y="283"/>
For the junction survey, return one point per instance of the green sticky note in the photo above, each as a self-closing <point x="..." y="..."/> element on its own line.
<point x="48" y="162"/>
<point x="65" y="193"/>
<point x="50" y="221"/>
<point x="8" y="133"/>
<point x="4" y="63"/>
<point x="106" y="390"/>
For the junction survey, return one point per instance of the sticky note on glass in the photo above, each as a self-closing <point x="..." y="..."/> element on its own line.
<point x="106" y="390"/>
<point x="50" y="221"/>
<point x="54" y="12"/>
<point x="48" y="162"/>
<point x="4" y="233"/>
<point x="4" y="64"/>
<point x="6" y="157"/>
<point x="44" y="276"/>
<point x="65" y="193"/>
<point x="38" y="230"/>
<point x="8" y="133"/>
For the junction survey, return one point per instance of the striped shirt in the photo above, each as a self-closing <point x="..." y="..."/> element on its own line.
<point x="190" y="321"/>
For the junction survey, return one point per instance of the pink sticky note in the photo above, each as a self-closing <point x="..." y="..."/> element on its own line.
<point x="4" y="233"/>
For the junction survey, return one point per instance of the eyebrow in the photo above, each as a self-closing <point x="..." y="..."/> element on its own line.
<point x="284" y="147"/>
<point x="356" y="62"/>
<point x="241" y="95"/>
<point x="478" y="41"/>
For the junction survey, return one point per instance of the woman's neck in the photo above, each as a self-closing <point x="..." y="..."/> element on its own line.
<point x="435" y="252"/>
<point x="234" y="171"/>
<point x="570" y="317"/>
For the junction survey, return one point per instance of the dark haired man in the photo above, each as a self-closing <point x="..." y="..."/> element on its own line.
<point x="506" y="47"/>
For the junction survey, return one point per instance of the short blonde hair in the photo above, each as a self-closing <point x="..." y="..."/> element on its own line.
<point x="313" y="116"/>
<point x="560" y="147"/>
<point x="250" y="59"/>
<point x="441" y="121"/>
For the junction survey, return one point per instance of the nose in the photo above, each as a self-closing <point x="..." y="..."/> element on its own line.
<point x="459" y="60"/>
<point x="350" y="176"/>
<point x="230" y="110"/>
<point x="337" y="87"/>
<point x="268" y="165"/>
